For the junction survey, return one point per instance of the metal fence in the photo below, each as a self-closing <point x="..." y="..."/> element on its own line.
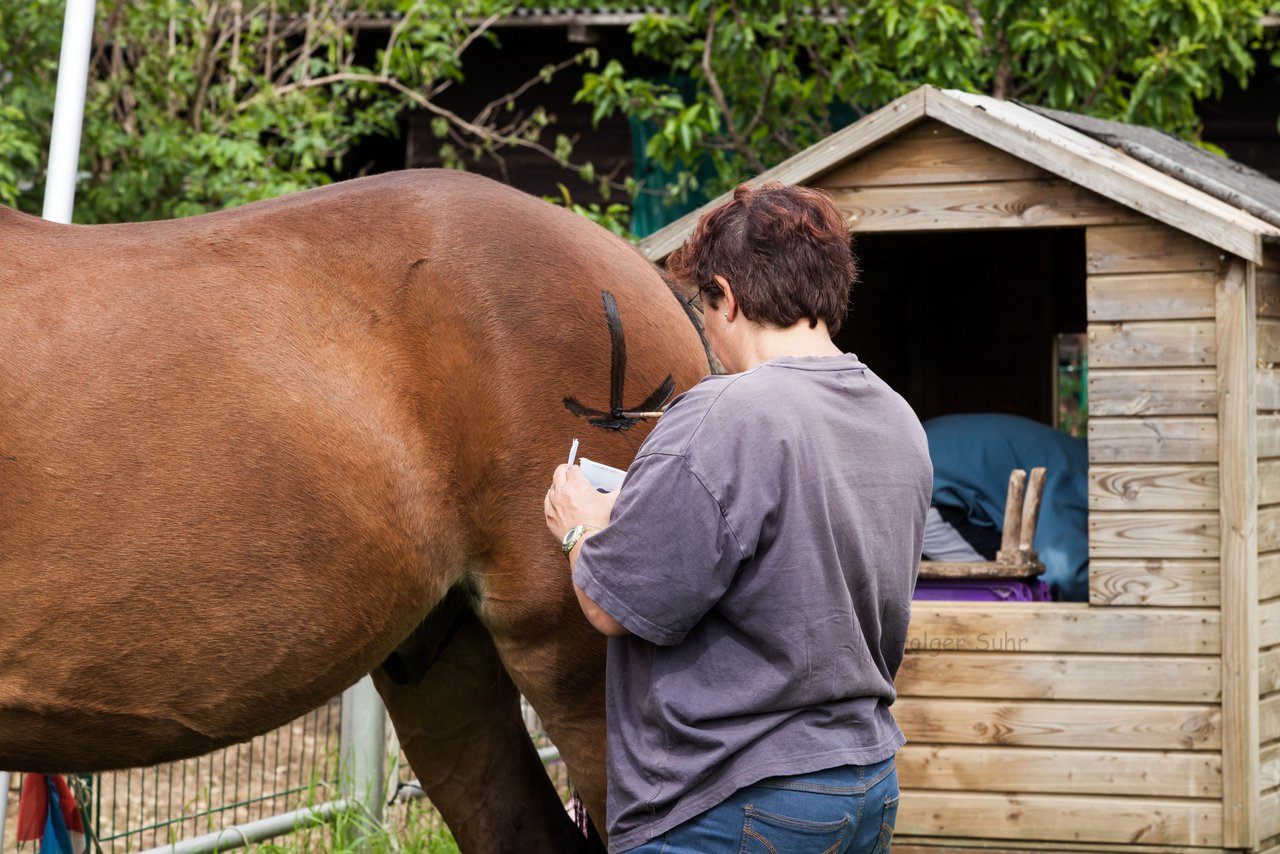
<point x="262" y="784"/>
<point x="142" y="808"/>
<point x="277" y="772"/>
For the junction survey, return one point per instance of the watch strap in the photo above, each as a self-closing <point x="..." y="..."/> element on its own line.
<point x="573" y="537"/>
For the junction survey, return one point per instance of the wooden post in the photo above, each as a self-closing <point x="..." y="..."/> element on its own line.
<point x="1238" y="506"/>
<point x="1031" y="510"/>
<point x="1012" y="532"/>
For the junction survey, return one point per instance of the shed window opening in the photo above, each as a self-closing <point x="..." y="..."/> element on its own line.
<point x="983" y="333"/>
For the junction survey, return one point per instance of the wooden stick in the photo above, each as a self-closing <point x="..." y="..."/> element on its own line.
<point x="1031" y="509"/>
<point x="983" y="569"/>
<point x="1012" y="517"/>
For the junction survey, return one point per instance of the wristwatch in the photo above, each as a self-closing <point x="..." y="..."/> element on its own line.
<point x="572" y="538"/>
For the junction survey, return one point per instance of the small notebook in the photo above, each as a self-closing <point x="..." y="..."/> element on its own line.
<point x="602" y="477"/>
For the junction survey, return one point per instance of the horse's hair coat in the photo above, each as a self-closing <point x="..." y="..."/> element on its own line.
<point x="244" y="455"/>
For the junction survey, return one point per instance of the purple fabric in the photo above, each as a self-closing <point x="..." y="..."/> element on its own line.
<point x="982" y="590"/>
<point x="763" y="553"/>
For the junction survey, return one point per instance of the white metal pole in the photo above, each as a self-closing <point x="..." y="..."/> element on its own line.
<point x="4" y="803"/>
<point x="243" y="835"/>
<point x="68" y="110"/>
<point x="362" y="748"/>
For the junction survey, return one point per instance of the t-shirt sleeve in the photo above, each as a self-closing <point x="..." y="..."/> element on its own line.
<point x="667" y="556"/>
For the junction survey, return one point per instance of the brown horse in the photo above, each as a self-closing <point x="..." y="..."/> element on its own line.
<point x="246" y="458"/>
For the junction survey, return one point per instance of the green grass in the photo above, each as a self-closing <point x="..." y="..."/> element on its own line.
<point x="413" y="828"/>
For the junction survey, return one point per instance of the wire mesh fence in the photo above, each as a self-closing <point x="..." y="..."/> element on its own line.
<point x="283" y="770"/>
<point x="556" y="770"/>
<point x="143" y="808"/>
<point x="407" y="808"/>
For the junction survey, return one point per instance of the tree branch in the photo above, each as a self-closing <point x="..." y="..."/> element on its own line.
<point x="975" y="18"/>
<point x="479" y="31"/>
<point x="110" y="26"/>
<point x="511" y="136"/>
<point x="306" y="39"/>
<point x="1112" y="67"/>
<point x="1004" y="69"/>
<point x="763" y="105"/>
<point x="235" y="45"/>
<point x="739" y="142"/>
<point x="268" y="70"/>
<point x="466" y="43"/>
<point x="203" y="67"/>
<point x="483" y="115"/>
<point x="396" y="32"/>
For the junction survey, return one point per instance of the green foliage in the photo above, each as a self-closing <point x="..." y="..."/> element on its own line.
<point x="418" y="831"/>
<point x="613" y="216"/>
<point x="772" y="77"/>
<point x="197" y="105"/>
<point x="588" y="5"/>
<point x="28" y="52"/>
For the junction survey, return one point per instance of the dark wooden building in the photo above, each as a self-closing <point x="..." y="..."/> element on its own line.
<point x="1243" y="122"/>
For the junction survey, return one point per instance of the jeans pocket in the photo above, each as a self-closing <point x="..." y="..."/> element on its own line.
<point x="888" y="819"/>
<point x="771" y="833"/>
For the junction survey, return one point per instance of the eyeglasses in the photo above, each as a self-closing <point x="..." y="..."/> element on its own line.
<point x="694" y="301"/>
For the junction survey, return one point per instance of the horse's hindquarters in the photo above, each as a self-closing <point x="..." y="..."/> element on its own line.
<point x="196" y="550"/>
<point x="242" y="456"/>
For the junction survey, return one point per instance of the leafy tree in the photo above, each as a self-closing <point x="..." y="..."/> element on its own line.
<point x="771" y="77"/>
<point x="196" y="105"/>
<point x="28" y="51"/>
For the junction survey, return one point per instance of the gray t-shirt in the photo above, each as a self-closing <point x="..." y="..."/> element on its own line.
<point x="762" y="552"/>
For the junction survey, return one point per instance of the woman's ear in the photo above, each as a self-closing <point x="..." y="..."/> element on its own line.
<point x="730" y="307"/>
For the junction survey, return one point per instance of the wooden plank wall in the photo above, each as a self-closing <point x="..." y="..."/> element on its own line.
<point x="1236" y="329"/>
<point x="932" y="177"/>
<point x="1153" y="427"/>
<point x="1104" y="726"/>
<point x="1267" y="284"/>
<point x="1061" y="723"/>
<point x="1098" y="724"/>
<point x="1077" y="724"/>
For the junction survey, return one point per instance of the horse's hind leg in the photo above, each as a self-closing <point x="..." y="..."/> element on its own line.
<point x="457" y="715"/>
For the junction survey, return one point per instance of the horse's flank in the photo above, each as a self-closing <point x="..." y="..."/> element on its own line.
<point x="243" y="455"/>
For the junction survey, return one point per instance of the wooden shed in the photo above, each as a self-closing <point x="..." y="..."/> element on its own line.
<point x="1148" y="718"/>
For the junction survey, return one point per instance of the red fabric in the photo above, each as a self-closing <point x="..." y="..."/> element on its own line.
<point x="33" y="808"/>
<point x="70" y="813"/>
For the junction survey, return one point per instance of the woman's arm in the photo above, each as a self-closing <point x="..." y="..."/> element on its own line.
<point x="596" y="615"/>
<point x="572" y="501"/>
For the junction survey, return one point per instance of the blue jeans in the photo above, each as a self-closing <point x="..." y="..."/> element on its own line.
<point x="846" y="810"/>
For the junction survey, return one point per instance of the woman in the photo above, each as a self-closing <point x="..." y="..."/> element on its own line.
<point x="755" y="573"/>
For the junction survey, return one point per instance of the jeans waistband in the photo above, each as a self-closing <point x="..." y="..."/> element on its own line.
<point x="843" y="780"/>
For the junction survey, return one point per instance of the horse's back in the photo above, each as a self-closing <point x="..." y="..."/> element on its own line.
<point x="242" y="454"/>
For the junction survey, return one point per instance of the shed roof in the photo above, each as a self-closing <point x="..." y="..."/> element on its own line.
<point x="1220" y="177"/>
<point x="1166" y="179"/>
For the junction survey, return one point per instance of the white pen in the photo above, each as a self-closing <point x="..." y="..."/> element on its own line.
<point x="573" y="451"/>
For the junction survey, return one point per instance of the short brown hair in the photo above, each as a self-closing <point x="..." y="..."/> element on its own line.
<point x="786" y="252"/>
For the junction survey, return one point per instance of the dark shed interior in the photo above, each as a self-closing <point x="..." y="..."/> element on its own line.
<point x="967" y="321"/>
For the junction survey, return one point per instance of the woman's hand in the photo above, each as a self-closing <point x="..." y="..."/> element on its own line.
<point x="572" y="500"/>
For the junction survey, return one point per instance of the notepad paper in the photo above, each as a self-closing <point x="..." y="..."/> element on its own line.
<point x="602" y="477"/>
